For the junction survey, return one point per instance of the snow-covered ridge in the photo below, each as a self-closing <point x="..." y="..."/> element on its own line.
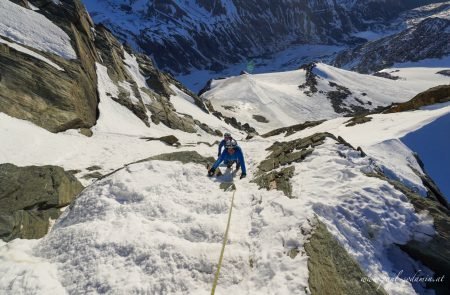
<point x="27" y="27"/>
<point x="277" y="97"/>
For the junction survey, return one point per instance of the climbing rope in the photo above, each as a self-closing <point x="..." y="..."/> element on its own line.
<point x="224" y="242"/>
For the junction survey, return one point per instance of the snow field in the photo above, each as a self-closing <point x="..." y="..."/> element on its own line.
<point x="31" y="53"/>
<point x="366" y="214"/>
<point x="276" y="96"/>
<point x="31" y="28"/>
<point x="154" y="227"/>
<point x="157" y="228"/>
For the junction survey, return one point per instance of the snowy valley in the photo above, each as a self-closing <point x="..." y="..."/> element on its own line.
<point x="103" y="160"/>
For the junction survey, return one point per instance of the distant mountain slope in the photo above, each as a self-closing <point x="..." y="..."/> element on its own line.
<point x="427" y="39"/>
<point x="197" y="34"/>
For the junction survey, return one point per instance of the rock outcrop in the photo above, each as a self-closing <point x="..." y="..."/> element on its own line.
<point x="438" y="94"/>
<point x="30" y="196"/>
<point x="284" y="154"/>
<point x="54" y="99"/>
<point x="65" y="96"/>
<point x="332" y="270"/>
<point x="292" y="129"/>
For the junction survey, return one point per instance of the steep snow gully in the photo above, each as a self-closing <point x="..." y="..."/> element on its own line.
<point x="156" y="227"/>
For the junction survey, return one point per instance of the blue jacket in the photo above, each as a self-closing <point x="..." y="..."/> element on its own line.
<point x="221" y="144"/>
<point x="236" y="156"/>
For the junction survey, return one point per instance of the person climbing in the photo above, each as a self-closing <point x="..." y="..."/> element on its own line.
<point x="226" y="136"/>
<point x="232" y="153"/>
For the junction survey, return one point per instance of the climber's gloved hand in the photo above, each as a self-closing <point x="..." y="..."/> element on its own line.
<point x="243" y="175"/>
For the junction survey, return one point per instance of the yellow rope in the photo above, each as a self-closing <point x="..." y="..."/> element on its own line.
<point x="225" y="238"/>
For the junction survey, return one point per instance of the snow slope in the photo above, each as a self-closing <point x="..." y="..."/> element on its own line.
<point x="156" y="227"/>
<point x="27" y="27"/>
<point x="286" y="60"/>
<point x="116" y="137"/>
<point x="277" y="97"/>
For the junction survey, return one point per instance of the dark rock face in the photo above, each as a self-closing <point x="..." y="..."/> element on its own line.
<point x="285" y="153"/>
<point x="386" y="75"/>
<point x="438" y="94"/>
<point x="311" y="80"/>
<point x="358" y="120"/>
<point x="95" y="175"/>
<point x="224" y="31"/>
<point x="332" y="270"/>
<point x="444" y="72"/>
<point x="427" y="39"/>
<point x="231" y="120"/>
<point x="57" y="100"/>
<point x="32" y="90"/>
<point x="29" y="196"/>
<point x="159" y="91"/>
<point x="339" y="96"/>
<point x="292" y="129"/>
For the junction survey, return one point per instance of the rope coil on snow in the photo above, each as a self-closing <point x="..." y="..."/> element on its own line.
<point x="224" y="242"/>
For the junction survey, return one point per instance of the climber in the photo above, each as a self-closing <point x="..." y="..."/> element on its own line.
<point x="226" y="136"/>
<point x="231" y="154"/>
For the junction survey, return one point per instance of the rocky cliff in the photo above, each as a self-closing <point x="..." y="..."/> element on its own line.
<point x="57" y="88"/>
<point x="427" y="39"/>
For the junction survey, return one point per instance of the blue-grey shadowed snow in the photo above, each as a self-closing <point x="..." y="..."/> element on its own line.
<point x="432" y="143"/>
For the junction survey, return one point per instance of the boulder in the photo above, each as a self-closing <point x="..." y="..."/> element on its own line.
<point x="33" y="193"/>
<point x="358" y="120"/>
<point x="438" y="94"/>
<point x="183" y="157"/>
<point x="169" y="139"/>
<point x="260" y="119"/>
<point x="33" y="90"/>
<point x="292" y="129"/>
<point x="278" y="180"/>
